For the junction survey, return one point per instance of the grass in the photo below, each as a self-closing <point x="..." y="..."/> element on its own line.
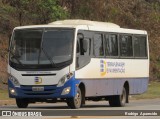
<point x="152" y="92"/>
<point x="4" y="95"/>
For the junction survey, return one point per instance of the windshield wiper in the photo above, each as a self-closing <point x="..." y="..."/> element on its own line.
<point x="13" y="56"/>
<point x="48" y="57"/>
<point x="46" y="54"/>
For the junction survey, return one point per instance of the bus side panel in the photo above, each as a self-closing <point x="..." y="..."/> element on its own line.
<point x="114" y="68"/>
<point x="105" y="87"/>
<point x="96" y="87"/>
<point x="108" y="76"/>
<point x="138" y="86"/>
<point x="118" y="86"/>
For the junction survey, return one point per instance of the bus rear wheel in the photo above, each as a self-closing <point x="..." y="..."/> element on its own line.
<point x="22" y="103"/>
<point x="76" y="101"/>
<point x="118" y="100"/>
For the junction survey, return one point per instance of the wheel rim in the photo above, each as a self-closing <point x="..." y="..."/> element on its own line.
<point x="77" y="99"/>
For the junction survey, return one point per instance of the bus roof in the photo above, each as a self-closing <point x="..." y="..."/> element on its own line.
<point x="87" y="25"/>
<point x="85" y="22"/>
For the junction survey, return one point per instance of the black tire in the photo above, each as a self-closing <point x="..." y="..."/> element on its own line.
<point x="75" y="102"/>
<point x="22" y="103"/>
<point x="118" y="100"/>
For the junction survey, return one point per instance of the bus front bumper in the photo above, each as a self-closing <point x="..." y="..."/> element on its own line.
<point x="43" y="92"/>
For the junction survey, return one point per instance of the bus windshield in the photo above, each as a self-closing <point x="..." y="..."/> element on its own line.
<point x="41" y="46"/>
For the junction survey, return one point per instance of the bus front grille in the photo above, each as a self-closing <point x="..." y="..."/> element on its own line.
<point x="48" y="90"/>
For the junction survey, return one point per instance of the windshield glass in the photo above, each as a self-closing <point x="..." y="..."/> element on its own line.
<point x="41" y="46"/>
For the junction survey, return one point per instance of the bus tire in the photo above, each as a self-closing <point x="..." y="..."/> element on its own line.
<point x="118" y="100"/>
<point x="22" y="103"/>
<point x="75" y="102"/>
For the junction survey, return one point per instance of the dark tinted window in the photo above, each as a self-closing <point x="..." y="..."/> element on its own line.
<point x="140" y="48"/>
<point x="98" y="45"/>
<point x="26" y="45"/>
<point x="56" y="46"/>
<point x="87" y="53"/>
<point x="126" y="49"/>
<point x="80" y="46"/>
<point x="111" y="45"/>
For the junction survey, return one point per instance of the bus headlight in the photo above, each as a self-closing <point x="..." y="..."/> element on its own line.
<point x="12" y="91"/>
<point x="14" y="81"/>
<point x="66" y="91"/>
<point x="64" y="79"/>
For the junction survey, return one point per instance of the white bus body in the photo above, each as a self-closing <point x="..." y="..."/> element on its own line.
<point x="77" y="60"/>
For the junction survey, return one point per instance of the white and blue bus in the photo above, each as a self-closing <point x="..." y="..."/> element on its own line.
<point x="77" y="60"/>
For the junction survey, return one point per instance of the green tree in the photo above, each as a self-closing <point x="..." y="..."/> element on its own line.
<point x="45" y="11"/>
<point x="20" y="7"/>
<point x="36" y="11"/>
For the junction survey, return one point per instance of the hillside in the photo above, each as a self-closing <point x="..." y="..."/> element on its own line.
<point x="135" y="14"/>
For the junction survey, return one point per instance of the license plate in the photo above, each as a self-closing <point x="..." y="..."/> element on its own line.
<point x="37" y="88"/>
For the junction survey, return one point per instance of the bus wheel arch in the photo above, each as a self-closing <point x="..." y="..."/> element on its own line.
<point x="120" y="100"/>
<point x="75" y="102"/>
<point x="83" y="91"/>
<point x="126" y="86"/>
<point x="79" y="99"/>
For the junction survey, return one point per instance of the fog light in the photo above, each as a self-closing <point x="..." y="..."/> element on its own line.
<point x="66" y="91"/>
<point x="12" y="91"/>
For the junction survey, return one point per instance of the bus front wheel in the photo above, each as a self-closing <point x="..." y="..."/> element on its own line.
<point x="118" y="100"/>
<point x="76" y="101"/>
<point x="22" y="103"/>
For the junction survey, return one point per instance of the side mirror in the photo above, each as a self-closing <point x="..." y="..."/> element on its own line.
<point x="85" y="45"/>
<point x="80" y="36"/>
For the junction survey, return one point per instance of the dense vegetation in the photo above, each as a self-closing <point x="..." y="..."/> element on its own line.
<point x="136" y="14"/>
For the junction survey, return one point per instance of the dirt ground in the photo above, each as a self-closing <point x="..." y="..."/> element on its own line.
<point x="7" y="102"/>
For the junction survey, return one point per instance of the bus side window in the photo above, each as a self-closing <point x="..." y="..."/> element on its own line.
<point x="140" y="46"/>
<point x="98" y="45"/>
<point x="126" y="49"/>
<point x="111" y="43"/>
